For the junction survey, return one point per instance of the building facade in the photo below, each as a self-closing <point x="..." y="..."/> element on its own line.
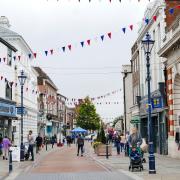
<point x="7" y="105"/>
<point x="48" y="122"/>
<point x="127" y="90"/>
<point x="171" y="52"/>
<point x="20" y="61"/>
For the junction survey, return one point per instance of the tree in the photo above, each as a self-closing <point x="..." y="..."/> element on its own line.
<point x="102" y="135"/>
<point x="86" y="116"/>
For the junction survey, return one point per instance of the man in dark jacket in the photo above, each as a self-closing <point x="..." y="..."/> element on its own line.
<point x="80" y="143"/>
<point x="39" y="141"/>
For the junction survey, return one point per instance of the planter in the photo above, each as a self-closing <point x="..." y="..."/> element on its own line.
<point x="101" y="150"/>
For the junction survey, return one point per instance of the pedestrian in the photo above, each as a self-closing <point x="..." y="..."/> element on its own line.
<point x="39" y="141"/>
<point x="1" y="140"/>
<point x="68" y="138"/>
<point x="135" y="139"/>
<point x="53" y="140"/>
<point x="117" y="140"/>
<point x="80" y="143"/>
<point x="6" y="145"/>
<point x="30" y="139"/>
<point x="122" y="143"/>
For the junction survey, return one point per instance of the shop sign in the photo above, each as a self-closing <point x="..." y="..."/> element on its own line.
<point x="135" y="120"/>
<point x="156" y="102"/>
<point x="7" y="110"/>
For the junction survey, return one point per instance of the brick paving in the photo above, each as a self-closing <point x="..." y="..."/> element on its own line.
<point x="66" y="165"/>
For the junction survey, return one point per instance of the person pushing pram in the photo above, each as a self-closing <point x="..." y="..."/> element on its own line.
<point x="135" y="153"/>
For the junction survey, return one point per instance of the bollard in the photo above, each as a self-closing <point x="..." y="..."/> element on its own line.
<point x="107" y="155"/>
<point x="10" y="161"/>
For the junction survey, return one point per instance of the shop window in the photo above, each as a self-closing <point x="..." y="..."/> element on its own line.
<point x="8" y="91"/>
<point x="9" y="57"/>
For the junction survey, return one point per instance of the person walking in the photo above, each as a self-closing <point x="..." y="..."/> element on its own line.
<point x="39" y="141"/>
<point x="117" y="140"/>
<point x="31" y="145"/>
<point x="122" y="143"/>
<point x="6" y="145"/>
<point x="53" y="140"/>
<point x="80" y="143"/>
<point x="1" y="140"/>
<point x="135" y="139"/>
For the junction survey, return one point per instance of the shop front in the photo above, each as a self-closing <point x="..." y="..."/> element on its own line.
<point x="159" y="122"/>
<point x="7" y="114"/>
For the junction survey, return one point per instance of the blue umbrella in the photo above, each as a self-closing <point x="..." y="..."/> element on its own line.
<point x="79" y="130"/>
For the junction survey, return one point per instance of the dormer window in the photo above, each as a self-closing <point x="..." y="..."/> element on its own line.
<point x="9" y="57"/>
<point x="8" y="91"/>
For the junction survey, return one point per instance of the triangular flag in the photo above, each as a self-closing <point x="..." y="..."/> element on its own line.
<point x="82" y="43"/>
<point x="171" y="11"/>
<point x="109" y="35"/>
<point x="124" y="30"/>
<point x="102" y="37"/>
<point x="154" y="18"/>
<point x="29" y="55"/>
<point x="14" y="58"/>
<point x="63" y="48"/>
<point x="147" y="21"/>
<point x="35" y="54"/>
<point x="69" y="46"/>
<point x="89" y="42"/>
<point x="131" y="27"/>
<point x="46" y="52"/>
<point x="1" y="77"/>
<point x="4" y="59"/>
<point x="19" y="57"/>
<point x="51" y="51"/>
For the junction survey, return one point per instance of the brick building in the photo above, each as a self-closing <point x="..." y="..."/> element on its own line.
<point x="171" y="52"/>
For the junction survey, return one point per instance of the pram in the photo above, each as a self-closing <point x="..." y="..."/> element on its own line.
<point x="26" y="154"/>
<point x="135" y="159"/>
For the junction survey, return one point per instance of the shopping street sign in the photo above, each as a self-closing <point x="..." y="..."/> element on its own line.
<point x="135" y="120"/>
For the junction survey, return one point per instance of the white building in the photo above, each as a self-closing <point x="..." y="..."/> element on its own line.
<point x="155" y="25"/>
<point x="20" y="61"/>
<point x="128" y="97"/>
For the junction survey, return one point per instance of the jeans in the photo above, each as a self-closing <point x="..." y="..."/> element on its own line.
<point x="30" y="150"/>
<point x="122" y="146"/>
<point x="118" y="148"/>
<point x="80" y="147"/>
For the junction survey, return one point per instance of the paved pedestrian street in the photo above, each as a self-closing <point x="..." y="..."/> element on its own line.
<point x="66" y="165"/>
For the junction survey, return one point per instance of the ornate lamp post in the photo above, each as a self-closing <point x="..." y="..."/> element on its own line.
<point x="22" y="78"/>
<point x="148" y="45"/>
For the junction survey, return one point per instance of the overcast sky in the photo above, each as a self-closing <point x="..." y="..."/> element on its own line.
<point x="92" y="70"/>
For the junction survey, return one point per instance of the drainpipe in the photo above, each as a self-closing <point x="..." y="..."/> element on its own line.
<point x="124" y="89"/>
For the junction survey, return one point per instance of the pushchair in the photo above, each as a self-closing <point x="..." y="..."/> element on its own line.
<point x="135" y="156"/>
<point x="26" y="153"/>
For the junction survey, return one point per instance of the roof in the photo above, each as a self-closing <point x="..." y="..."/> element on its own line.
<point x="43" y="75"/>
<point x="5" y="32"/>
<point x="8" y="45"/>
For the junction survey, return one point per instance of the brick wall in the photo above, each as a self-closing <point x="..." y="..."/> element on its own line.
<point x="170" y="18"/>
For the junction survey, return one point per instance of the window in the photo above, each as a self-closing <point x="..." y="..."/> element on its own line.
<point x="8" y="91"/>
<point x="9" y="57"/>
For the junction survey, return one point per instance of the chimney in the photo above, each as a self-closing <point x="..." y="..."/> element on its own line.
<point x="4" y="22"/>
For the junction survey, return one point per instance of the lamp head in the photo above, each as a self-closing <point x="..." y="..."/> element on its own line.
<point x="148" y="44"/>
<point x="22" y="78"/>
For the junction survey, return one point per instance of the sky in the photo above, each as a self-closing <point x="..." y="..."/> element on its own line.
<point x="93" y="70"/>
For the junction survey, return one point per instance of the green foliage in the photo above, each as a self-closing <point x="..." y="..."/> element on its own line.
<point x="87" y="118"/>
<point x="102" y="135"/>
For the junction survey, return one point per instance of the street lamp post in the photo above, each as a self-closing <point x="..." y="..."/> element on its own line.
<point x="148" y="45"/>
<point x="22" y="79"/>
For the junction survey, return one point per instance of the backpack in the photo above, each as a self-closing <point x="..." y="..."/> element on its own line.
<point x="80" y="141"/>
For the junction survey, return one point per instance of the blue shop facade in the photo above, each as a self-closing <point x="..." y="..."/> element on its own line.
<point x="159" y="121"/>
<point x="7" y="115"/>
